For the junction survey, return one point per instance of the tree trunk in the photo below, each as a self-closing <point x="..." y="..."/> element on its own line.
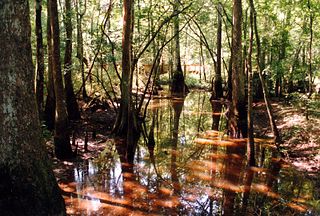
<point x="61" y="135"/>
<point x="216" y="107"/>
<point x="50" y="106"/>
<point x="72" y="105"/>
<point x="218" y="92"/>
<point x="237" y="122"/>
<point x="126" y="125"/>
<point x="40" y="59"/>
<point x="27" y="183"/>
<point x="178" y="86"/>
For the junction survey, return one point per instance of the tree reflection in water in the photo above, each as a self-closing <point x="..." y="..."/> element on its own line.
<point x="204" y="173"/>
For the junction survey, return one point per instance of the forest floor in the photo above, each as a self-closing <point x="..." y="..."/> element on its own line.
<point x="300" y="136"/>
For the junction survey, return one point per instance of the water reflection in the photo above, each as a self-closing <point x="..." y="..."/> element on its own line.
<point x="186" y="168"/>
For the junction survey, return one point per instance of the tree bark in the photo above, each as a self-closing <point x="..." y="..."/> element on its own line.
<point x="27" y="183"/>
<point x="72" y="105"/>
<point x="61" y="135"/>
<point x="237" y="122"/>
<point x="40" y="59"/>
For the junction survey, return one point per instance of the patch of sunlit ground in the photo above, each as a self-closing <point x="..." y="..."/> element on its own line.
<point x="301" y="138"/>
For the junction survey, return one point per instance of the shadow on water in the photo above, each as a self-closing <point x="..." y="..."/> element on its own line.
<point x="188" y="166"/>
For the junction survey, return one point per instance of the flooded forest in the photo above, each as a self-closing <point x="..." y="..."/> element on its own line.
<point x="155" y="107"/>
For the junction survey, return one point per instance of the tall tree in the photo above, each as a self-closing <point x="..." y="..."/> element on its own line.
<point x="27" y="183"/>
<point x="40" y="59"/>
<point x="237" y="121"/>
<point x="61" y="135"/>
<point x="178" y="86"/>
<point x="72" y="105"/>
<point x="126" y="123"/>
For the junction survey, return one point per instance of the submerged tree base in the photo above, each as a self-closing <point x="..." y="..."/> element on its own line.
<point x="63" y="148"/>
<point x="178" y="86"/>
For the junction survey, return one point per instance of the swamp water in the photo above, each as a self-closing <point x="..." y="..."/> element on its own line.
<point x="186" y="168"/>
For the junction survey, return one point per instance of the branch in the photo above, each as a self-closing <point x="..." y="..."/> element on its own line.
<point x="203" y="39"/>
<point x="103" y="27"/>
<point x="165" y="21"/>
<point x="154" y="62"/>
<point x="106" y="91"/>
<point x="90" y="69"/>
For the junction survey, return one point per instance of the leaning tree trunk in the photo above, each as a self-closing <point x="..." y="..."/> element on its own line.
<point x="272" y="121"/>
<point x="237" y="122"/>
<point x="40" y="59"/>
<point x="61" y="136"/>
<point x="27" y="183"/>
<point x="178" y="86"/>
<point x="50" y="106"/>
<point x="72" y="105"/>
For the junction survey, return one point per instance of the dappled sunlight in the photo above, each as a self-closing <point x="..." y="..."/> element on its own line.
<point x="264" y="141"/>
<point x="300" y="208"/>
<point x="222" y="143"/>
<point x="183" y="172"/>
<point x="227" y="185"/>
<point x="265" y="190"/>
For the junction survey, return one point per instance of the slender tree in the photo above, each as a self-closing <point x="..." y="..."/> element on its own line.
<point x="27" y="183"/>
<point x="40" y="59"/>
<point x="61" y="136"/>
<point x="72" y="105"/>
<point x="218" y="92"/>
<point x="80" y="14"/>
<point x="250" y="141"/>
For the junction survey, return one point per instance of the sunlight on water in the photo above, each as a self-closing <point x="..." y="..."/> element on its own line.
<point x="191" y="170"/>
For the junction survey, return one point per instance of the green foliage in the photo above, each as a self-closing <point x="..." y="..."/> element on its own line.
<point x="193" y="82"/>
<point x="283" y="27"/>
